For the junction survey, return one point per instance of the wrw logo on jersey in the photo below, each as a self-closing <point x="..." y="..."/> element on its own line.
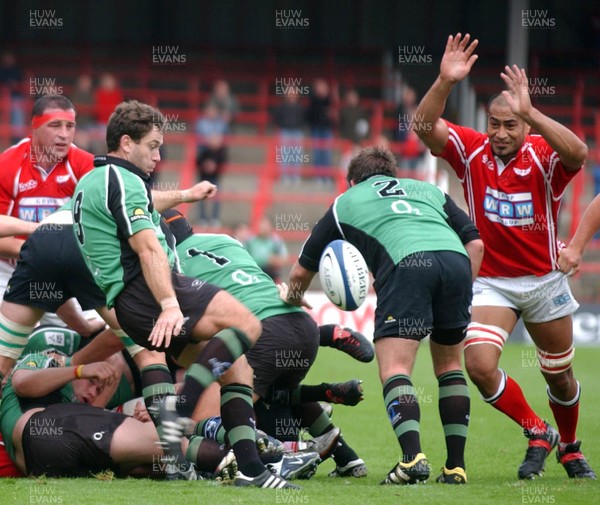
<point x="37" y="208"/>
<point x="509" y="209"/>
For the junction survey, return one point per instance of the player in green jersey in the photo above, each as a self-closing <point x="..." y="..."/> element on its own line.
<point x="118" y="231"/>
<point x="411" y="236"/>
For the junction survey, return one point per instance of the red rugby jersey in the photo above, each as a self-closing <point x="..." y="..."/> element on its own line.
<point x="515" y="211"/>
<point x="30" y="193"/>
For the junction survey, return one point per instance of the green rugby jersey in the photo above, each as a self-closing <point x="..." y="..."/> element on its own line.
<point x="223" y="261"/>
<point x="13" y="407"/>
<point x="111" y="203"/>
<point x="387" y="219"/>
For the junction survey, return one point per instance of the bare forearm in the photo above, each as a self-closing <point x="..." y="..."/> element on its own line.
<point x="10" y="247"/>
<point x="13" y="226"/>
<point x="475" y="250"/>
<point x="432" y="105"/>
<point x="100" y="348"/>
<point x="570" y="148"/>
<point x="70" y="312"/>
<point x="37" y="383"/>
<point x="427" y="121"/>
<point x="588" y="226"/>
<point x="300" y="280"/>
<point x="164" y="200"/>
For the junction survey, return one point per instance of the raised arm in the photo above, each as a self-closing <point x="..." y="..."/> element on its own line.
<point x="164" y="200"/>
<point x="571" y="150"/>
<point x="456" y="64"/>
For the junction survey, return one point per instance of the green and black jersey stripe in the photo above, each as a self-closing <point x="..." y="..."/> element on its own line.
<point x="112" y="203"/>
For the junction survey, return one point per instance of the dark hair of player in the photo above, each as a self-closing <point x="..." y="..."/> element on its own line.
<point x="50" y="102"/>
<point x="134" y="119"/>
<point x="371" y="161"/>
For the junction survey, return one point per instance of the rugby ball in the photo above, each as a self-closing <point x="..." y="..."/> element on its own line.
<point x="344" y="275"/>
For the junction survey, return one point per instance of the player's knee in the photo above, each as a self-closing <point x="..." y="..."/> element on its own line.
<point x="479" y="372"/>
<point x="561" y="384"/>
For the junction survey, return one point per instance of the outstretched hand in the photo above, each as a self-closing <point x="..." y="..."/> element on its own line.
<point x="517" y="96"/>
<point x="458" y="58"/>
<point x="200" y="191"/>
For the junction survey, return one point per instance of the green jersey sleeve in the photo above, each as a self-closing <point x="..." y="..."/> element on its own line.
<point x="128" y="201"/>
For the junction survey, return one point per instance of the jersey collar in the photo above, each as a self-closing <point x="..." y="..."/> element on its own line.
<point x="106" y="159"/>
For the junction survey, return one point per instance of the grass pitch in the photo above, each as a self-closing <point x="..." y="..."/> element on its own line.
<point x="495" y="449"/>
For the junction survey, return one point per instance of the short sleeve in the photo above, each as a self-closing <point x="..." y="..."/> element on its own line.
<point x="129" y="202"/>
<point x="325" y="231"/>
<point x="460" y="145"/>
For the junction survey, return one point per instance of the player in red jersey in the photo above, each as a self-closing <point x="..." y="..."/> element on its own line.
<point x="39" y="175"/>
<point x="513" y="183"/>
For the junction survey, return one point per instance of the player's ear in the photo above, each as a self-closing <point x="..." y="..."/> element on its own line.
<point x="125" y="143"/>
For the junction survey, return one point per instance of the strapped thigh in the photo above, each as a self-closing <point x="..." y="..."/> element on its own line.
<point x="478" y="333"/>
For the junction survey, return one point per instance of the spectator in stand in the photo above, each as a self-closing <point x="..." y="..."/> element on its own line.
<point x="320" y="120"/>
<point x="289" y="117"/>
<point x="211" y="123"/>
<point x="241" y="232"/>
<point x="108" y="96"/>
<point x="406" y="113"/>
<point x="211" y="155"/>
<point x="11" y="78"/>
<point x="209" y="163"/>
<point x="83" y="99"/>
<point x="354" y="119"/>
<point x="226" y="104"/>
<point x="268" y="249"/>
<point x="412" y="148"/>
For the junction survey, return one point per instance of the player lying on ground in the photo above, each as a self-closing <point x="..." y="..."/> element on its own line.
<point x="49" y="409"/>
